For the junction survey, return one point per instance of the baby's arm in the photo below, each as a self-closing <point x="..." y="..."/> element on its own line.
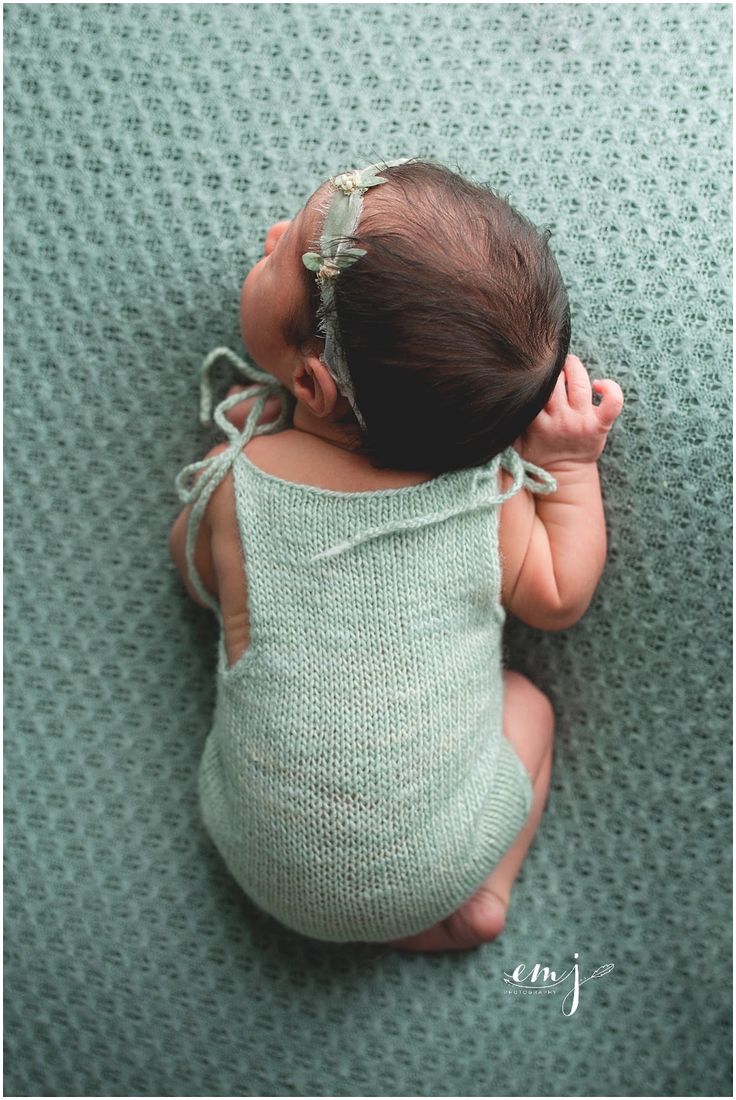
<point x="203" y="556"/>
<point x="203" y="559"/>
<point x="567" y="545"/>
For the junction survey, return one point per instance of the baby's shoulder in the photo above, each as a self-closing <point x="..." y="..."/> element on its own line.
<point x="305" y="459"/>
<point x="293" y="455"/>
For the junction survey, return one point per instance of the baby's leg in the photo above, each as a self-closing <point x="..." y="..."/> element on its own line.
<point x="528" y="722"/>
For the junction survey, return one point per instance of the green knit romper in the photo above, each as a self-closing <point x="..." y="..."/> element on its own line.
<point x="356" y="780"/>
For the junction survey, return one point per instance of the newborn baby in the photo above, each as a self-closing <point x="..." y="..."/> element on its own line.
<point x="413" y="456"/>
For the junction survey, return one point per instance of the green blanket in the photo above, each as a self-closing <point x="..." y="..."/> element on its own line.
<point x="147" y="149"/>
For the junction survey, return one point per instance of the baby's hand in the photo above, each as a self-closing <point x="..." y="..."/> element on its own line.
<point x="239" y="413"/>
<point x="570" y="428"/>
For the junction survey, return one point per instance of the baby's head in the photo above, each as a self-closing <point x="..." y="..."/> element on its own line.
<point x="447" y="332"/>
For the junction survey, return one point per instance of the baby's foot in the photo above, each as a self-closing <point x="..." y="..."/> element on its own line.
<point x="479" y="920"/>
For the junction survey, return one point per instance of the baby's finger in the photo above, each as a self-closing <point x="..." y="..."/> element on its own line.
<point x="579" y="394"/>
<point x="558" y="398"/>
<point x="238" y="413"/>
<point x="612" y="401"/>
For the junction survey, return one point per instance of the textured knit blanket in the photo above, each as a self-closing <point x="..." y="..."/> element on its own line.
<point x="147" y="149"/>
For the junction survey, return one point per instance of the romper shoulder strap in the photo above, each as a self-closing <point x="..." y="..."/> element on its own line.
<point x="209" y="472"/>
<point x="526" y="475"/>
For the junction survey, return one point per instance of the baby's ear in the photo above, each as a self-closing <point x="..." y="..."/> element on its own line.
<point x="315" y="386"/>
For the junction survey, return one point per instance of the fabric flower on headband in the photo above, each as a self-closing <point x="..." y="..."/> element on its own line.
<point x="341" y="221"/>
<point x="327" y="267"/>
<point x="358" y="180"/>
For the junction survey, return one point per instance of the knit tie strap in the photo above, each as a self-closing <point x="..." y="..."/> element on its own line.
<point x="209" y="472"/>
<point x="525" y="474"/>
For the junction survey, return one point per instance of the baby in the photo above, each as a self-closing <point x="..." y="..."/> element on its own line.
<point x="413" y="456"/>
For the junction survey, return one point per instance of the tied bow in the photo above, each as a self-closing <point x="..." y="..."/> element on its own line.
<point x="215" y="466"/>
<point x="524" y="473"/>
<point x="209" y="472"/>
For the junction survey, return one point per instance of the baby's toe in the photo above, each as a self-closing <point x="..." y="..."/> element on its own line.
<point x="480" y="919"/>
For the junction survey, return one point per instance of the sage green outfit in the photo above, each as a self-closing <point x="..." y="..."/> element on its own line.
<point x="356" y="779"/>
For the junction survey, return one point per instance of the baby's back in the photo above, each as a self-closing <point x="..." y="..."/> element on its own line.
<point x="299" y="456"/>
<point x="296" y="456"/>
<point x="355" y="779"/>
<point x="293" y="456"/>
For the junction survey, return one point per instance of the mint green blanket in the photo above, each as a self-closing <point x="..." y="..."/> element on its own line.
<point x="147" y="149"/>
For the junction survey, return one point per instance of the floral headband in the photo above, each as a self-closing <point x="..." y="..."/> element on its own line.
<point x="341" y="220"/>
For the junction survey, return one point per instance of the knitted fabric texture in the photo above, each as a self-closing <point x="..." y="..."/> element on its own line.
<point x="356" y="779"/>
<point x="148" y="148"/>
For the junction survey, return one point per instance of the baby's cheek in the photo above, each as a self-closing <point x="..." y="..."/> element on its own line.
<point x="247" y="289"/>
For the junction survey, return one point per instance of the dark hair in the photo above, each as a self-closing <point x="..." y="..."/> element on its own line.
<point x="455" y="324"/>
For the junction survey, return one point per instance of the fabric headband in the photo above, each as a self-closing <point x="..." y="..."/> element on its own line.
<point x="341" y="220"/>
